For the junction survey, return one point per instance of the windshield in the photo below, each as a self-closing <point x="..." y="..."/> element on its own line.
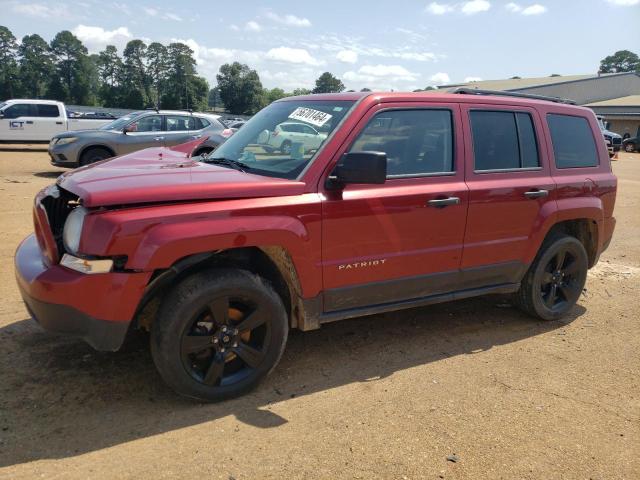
<point x="120" y="123"/>
<point x="282" y="139"/>
<point x="2" y="104"/>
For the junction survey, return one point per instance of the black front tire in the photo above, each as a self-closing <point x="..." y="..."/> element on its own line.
<point x="218" y="334"/>
<point x="94" y="155"/>
<point x="553" y="284"/>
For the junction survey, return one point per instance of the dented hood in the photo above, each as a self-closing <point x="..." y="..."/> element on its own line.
<point x="167" y="175"/>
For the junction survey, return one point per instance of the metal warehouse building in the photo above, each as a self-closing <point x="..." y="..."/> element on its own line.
<point x="615" y="96"/>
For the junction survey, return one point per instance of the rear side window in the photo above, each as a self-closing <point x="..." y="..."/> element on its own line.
<point x="47" y="111"/>
<point x="417" y="142"/>
<point x="573" y="142"/>
<point x="503" y="140"/>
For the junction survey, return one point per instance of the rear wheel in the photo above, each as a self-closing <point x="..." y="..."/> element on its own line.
<point x="629" y="147"/>
<point x="555" y="280"/>
<point x="286" y="147"/>
<point x="94" y="155"/>
<point x="219" y="333"/>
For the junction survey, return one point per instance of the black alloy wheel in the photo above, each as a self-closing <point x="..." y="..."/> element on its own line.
<point x="560" y="283"/>
<point x="555" y="279"/>
<point x="226" y="341"/>
<point x="218" y="333"/>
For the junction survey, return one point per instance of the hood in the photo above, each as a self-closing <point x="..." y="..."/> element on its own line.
<point x="167" y="175"/>
<point x="611" y="134"/>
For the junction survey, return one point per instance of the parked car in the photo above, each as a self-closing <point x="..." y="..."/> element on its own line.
<point x="631" y="144"/>
<point x="138" y="130"/>
<point x="614" y="138"/>
<point x="411" y="199"/>
<point x="286" y="134"/>
<point x="39" y="120"/>
<point x="236" y="125"/>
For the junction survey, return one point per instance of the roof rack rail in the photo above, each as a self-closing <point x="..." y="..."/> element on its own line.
<point x="477" y="91"/>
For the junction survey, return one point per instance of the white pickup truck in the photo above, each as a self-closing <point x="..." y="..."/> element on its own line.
<point x="38" y="120"/>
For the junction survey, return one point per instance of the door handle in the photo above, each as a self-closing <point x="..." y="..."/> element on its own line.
<point x="58" y="123"/>
<point x="159" y="138"/>
<point x="29" y="122"/>
<point x="536" y="193"/>
<point x="195" y="137"/>
<point x="443" y="202"/>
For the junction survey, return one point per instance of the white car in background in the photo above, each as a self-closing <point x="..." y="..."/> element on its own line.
<point x="287" y="133"/>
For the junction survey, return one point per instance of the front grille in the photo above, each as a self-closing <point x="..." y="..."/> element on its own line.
<point x="617" y="141"/>
<point x="58" y="204"/>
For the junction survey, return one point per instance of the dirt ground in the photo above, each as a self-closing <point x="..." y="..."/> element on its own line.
<point x="390" y="396"/>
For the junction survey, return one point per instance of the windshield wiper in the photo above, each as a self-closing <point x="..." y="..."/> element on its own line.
<point x="237" y="164"/>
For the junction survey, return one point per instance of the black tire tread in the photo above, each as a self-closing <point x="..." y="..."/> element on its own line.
<point x="183" y="294"/>
<point x="524" y="296"/>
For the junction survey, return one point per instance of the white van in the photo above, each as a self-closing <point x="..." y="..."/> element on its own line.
<point x="38" y="120"/>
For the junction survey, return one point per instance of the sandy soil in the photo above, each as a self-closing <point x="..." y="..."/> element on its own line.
<point x="390" y="396"/>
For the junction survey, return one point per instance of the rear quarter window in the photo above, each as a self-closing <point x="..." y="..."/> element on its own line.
<point x="573" y="142"/>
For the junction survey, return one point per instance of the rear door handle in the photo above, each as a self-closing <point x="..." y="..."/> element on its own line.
<point x="29" y="122"/>
<point x="443" y="202"/>
<point x="159" y="138"/>
<point x="536" y="193"/>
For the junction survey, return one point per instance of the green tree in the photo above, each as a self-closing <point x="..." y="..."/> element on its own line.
<point x="8" y="64"/>
<point x="183" y="89"/>
<point x="157" y="70"/>
<point x="134" y="76"/>
<point x="36" y="65"/>
<point x="215" y="101"/>
<point x="110" y="71"/>
<point x="70" y="54"/>
<point x="301" y="91"/>
<point x="328" y="83"/>
<point x="365" y="89"/>
<point x="621" y="61"/>
<point x="240" y="88"/>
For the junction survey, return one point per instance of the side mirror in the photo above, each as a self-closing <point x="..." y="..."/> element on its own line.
<point x="359" y="167"/>
<point x="128" y="129"/>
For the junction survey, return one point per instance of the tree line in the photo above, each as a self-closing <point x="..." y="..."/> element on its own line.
<point x="154" y="75"/>
<point x="144" y="76"/>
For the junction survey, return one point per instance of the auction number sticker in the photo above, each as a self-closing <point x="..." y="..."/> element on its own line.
<point x="309" y="115"/>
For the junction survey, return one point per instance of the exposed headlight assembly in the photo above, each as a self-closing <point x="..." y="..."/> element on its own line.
<point x="73" y="229"/>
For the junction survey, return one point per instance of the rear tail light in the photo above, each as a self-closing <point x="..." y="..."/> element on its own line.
<point x="227" y="132"/>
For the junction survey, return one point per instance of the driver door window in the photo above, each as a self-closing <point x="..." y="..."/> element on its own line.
<point x="417" y="142"/>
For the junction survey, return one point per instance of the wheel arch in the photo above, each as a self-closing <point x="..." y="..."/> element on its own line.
<point x="273" y="263"/>
<point x="91" y="146"/>
<point x="586" y="230"/>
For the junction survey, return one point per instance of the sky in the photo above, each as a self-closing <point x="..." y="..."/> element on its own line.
<point x="381" y="45"/>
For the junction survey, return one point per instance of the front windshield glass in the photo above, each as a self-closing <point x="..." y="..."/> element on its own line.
<point x="120" y="123"/>
<point x="282" y="139"/>
<point x="2" y="104"/>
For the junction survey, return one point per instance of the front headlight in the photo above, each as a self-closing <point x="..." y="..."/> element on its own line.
<point x="65" y="140"/>
<point x="73" y="229"/>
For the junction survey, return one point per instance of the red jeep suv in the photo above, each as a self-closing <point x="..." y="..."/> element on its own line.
<point x="409" y="199"/>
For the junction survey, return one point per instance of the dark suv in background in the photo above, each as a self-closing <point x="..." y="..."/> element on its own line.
<point x="136" y="131"/>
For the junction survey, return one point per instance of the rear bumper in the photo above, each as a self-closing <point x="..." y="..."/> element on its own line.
<point x="97" y="308"/>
